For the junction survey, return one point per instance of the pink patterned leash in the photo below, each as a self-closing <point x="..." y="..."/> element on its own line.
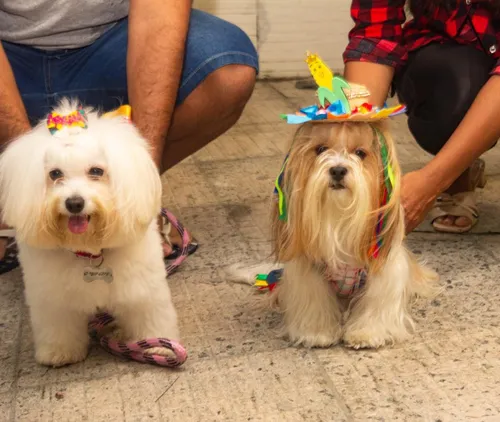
<point x="185" y="240"/>
<point x="137" y="350"/>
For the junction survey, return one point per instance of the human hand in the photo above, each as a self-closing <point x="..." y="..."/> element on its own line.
<point x="418" y="193"/>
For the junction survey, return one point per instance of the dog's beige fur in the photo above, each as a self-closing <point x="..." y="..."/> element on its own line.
<point x="329" y="226"/>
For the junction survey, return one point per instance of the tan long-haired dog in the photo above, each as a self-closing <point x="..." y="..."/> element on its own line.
<point x="333" y="286"/>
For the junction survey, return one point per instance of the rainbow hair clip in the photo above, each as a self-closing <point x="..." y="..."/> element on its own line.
<point x="334" y="94"/>
<point x="76" y="119"/>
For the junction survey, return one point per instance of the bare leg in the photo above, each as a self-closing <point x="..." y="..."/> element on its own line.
<point x="209" y="111"/>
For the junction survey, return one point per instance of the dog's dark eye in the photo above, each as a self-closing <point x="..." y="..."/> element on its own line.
<point x="360" y="153"/>
<point x="96" y="172"/>
<point x="320" y="149"/>
<point x="56" y="174"/>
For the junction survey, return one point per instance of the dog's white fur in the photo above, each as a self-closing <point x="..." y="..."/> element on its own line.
<point x="123" y="206"/>
<point x="329" y="228"/>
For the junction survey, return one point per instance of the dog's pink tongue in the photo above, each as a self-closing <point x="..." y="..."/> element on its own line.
<point x="78" y="224"/>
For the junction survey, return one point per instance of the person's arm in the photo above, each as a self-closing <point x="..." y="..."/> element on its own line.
<point x="476" y="134"/>
<point x="156" y="40"/>
<point x="377" y="78"/>
<point x="13" y="118"/>
<point x="375" y="46"/>
<point x="478" y="131"/>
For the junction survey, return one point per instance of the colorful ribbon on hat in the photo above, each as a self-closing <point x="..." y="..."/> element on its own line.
<point x="56" y="121"/>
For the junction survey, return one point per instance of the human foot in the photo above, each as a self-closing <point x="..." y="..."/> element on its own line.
<point x="456" y="210"/>
<point x="455" y="213"/>
<point x="8" y="250"/>
<point x="172" y="239"/>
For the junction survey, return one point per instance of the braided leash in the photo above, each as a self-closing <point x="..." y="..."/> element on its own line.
<point x="185" y="240"/>
<point x="138" y="350"/>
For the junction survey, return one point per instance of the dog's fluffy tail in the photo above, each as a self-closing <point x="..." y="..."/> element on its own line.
<point x="424" y="280"/>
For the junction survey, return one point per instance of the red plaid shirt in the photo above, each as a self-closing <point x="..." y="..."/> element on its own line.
<point x="380" y="34"/>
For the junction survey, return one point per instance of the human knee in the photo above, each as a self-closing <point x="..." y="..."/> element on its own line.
<point x="430" y="136"/>
<point x="233" y="85"/>
<point x="438" y="87"/>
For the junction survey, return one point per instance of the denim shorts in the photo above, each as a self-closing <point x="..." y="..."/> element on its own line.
<point x="96" y="74"/>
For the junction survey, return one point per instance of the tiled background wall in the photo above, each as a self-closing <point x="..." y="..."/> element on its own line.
<point x="283" y="30"/>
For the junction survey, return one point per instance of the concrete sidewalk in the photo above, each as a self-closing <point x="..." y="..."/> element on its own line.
<point x="238" y="370"/>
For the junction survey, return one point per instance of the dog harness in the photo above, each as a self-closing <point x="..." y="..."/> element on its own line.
<point x="346" y="281"/>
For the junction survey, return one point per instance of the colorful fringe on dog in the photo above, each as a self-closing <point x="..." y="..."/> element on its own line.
<point x="278" y="190"/>
<point x="387" y="187"/>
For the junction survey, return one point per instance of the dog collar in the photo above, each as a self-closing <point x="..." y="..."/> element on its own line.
<point x="88" y="255"/>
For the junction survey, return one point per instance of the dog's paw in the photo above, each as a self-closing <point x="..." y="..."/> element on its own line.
<point x="366" y="338"/>
<point x="162" y="351"/>
<point x="60" y="356"/>
<point x="326" y="339"/>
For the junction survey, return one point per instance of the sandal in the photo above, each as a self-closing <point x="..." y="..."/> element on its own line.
<point x="458" y="205"/>
<point x="192" y="246"/>
<point x="9" y="261"/>
<point x="179" y="253"/>
<point x="463" y="204"/>
<point x="177" y="250"/>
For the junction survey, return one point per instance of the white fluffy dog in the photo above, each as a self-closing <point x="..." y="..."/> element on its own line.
<point x="84" y="204"/>
<point x="335" y="286"/>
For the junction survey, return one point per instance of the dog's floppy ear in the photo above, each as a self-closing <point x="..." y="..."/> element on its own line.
<point x="287" y="230"/>
<point x="134" y="178"/>
<point x="22" y="180"/>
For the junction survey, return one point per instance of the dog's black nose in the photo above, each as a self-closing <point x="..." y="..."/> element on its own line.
<point x="75" y="204"/>
<point x="338" y="173"/>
